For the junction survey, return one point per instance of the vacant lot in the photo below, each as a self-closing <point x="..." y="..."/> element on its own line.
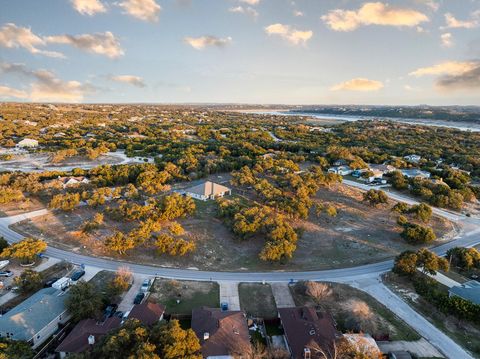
<point x="359" y="234"/>
<point x="356" y="311"/>
<point x="464" y="333"/>
<point x="14" y="208"/>
<point x="257" y="300"/>
<point x="189" y="295"/>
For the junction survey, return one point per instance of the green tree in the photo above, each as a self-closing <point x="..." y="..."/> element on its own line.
<point x="422" y="212"/>
<point x="15" y="349"/>
<point x="65" y="202"/>
<point x="119" y="243"/>
<point x="406" y="263"/>
<point x="28" y="281"/>
<point x="3" y="244"/>
<point x="177" y="343"/>
<point x="465" y="258"/>
<point x="430" y="262"/>
<point x="25" y="250"/>
<point x="398" y="180"/>
<point x="84" y="301"/>
<point x="416" y="234"/>
<point x="375" y="197"/>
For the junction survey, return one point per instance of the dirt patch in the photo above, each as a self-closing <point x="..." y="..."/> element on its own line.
<point x="356" y="311"/>
<point x="20" y="207"/>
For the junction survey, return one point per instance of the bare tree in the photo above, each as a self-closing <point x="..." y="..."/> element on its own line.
<point x="318" y="291"/>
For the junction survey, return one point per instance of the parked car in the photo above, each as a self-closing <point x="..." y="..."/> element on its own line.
<point x="119" y="314"/>
<point x="77" y="275"/>
<point x="110" y="310"/>
<point x="6" y="273"/>
<point x="147" y="283"/>
<point x="62" y="283"/>
<point x="49" y="282"/>
<point x="138" y="299"/>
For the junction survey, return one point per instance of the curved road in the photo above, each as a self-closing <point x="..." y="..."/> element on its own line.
<point x="365" y="277"/>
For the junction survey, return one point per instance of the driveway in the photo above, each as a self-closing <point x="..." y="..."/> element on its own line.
<point x="283" y="296"/>
<point x="229" y="294"/>
<point x="420" y="348"/>
<point x="127" y="301"/>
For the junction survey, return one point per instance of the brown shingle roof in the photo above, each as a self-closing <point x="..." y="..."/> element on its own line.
<point x="148" y="313"/>
<point x="208" y="189"/>
<point x="304" y="328"/>
<point x="77" y="340"/>
<point x="227" y="330"/>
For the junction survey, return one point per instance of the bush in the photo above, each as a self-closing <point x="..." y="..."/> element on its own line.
<point x="416" y="234"/>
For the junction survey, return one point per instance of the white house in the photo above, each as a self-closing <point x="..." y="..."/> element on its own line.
<point x="208" y="190"/>
<point x="383" y="168"/>
<point x="27" y="142"/>
<point x="413" y="158"/>
<point x="340" y="170"/>
<point x="73" y="181"/>
<point x="37" y="318"/>
<point x="415" y="173"/>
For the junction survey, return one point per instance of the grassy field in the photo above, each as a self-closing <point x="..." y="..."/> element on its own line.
<point x="257" y="300"/>
<point x="189" y="293"/>
<point x="465" y="334"/>
<point x="356" y="311"/>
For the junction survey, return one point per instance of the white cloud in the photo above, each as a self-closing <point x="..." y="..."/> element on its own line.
<point x="88" y="7"/>
<point x="445" y="68"/>
<point x="446" y="39"/>
<point x="146" y="10"/>
<point x="8" y="92"/>
<point x="287" y="32"/>
<point x="297" y="13"/>
<point x="13" y="36"/>
<point x="250" y="2"/>
<point x="247" y="10"/>
<point x="453" y="23"/>
<point x="46" y="86"/>
<point x="358" y="84"/>
<point x="202" y="42"/>
<point x="105" y="44"/>
<point x="373" y="13"/>
<point x="129" y="79"/>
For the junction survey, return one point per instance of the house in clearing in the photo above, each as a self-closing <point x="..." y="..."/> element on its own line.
<point x="73" y="181"/>
<point x="340" y="170"/>
<point x="306" y="331"/>
<point x="37" y="318"/>
<point x="222" y="334"/>
<point x="415" y="173"/>
<point x="27" y="142"/>
<point x="208" y="190"/>
<point x="469" y="291"/>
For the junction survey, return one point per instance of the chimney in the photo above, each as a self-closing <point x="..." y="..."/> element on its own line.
<point x="206" y="336"/>
<point x="306" y="353"/>
<point x="91" y="339"/>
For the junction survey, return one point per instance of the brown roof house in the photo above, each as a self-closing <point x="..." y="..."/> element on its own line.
<point x="306" y="332"/>
<point x="148" y="313"/>
<point x="208" y="190"/>
<point x="222" y="333"/>
<point x="86" y="333"/>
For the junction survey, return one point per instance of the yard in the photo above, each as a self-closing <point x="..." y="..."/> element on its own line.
<point x="356" y="311"/>
<point x="359" y="234"/>
<point x="189" y="294"/>
<point x="257" y="300"/>
<point x="464" y="333"/>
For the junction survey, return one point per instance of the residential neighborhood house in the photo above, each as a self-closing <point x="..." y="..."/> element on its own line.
<point x="208" y="190"/>
<point x="340" y="170"/>
<point x="27" y="142"/>
<point x="415" y="173"/>
<point x="306" y="331"/>
<point x="221" y="333"/>
<point x="148" y="313"/>
<point x="413" y="158"/>
<point x="36" y="318"/>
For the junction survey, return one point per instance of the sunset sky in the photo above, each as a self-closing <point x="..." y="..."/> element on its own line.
<point x="244" y="51"/>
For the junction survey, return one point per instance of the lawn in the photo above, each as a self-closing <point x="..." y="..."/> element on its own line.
<point x="465" y="334"/>
<point x="190" y="295"/>
<point x="257" y="300"/>
<point x="354" y="310"/>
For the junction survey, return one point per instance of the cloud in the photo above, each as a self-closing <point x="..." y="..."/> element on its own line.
<point x="250" y="2"/>
<point x="358" y="84"/>
<point x="13" y="36"/>
<point x="202" y="42"/>
<point x="8" y="92"/>
<point x="46" y="86"/>
<point x="451" y="68"/>
<point x="447" y="39"/>
<point x="373" y="13"/>
<point x="105" y="44"/>
<point x="431" y="4"/>
<point x="292" y="35"/>
<point x="297" y="13"/>
<point x="145" y="10"/>
<point x="129" y="79"/>
<point x="453" y="23"/>
<point x="467" y="80"/>
<point x="88" y="7"/>
<point x="244" y="10"/>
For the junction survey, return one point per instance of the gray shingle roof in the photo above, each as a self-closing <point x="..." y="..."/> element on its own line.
<point x="33" y="314"/>
<point x="208" y="189"/>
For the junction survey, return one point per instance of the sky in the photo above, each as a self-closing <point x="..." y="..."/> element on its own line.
<point x="397" y="52"/>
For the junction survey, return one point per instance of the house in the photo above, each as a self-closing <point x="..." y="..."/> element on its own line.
<point x="221" y="333"/>
<point x="306" y="330"/>
<point x="382" y="168"/>
<point x="86" y="333"/>
<point x="36" y="318"/>
<point x="340" y="170"/>
<point x="340" y="162"/>
<point x="148" y="313"/>
<point x="374" y="174"/>
<point x="73" y="181"/>
<point x="413" y="158"/>
<point x="27" y="142"/>
<point x="208" y="190"/>
<point x="415" y="173"/>
<point x="469" y="291"/>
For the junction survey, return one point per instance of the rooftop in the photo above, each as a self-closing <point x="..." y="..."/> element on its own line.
<point x="148" y="313"/>
<point x="208" y="189"/>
